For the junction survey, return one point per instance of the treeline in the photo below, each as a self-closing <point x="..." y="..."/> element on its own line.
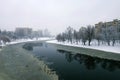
<point x="22" y="33"/>
<point x="103" y="35"/>
<point x="5" y="36"/>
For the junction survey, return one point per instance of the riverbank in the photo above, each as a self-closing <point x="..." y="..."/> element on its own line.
<point x="19" y="64"/>
<point x="28" y="40"/>
<point x="89" y="52"/>
<point x="112" y="49"/>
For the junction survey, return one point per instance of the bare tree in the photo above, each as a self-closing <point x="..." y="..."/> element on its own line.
<point x="113" y="34"/>
<point x="90" y="33"/>
<point x="83" y="36"/>
<point x="4" y="38"/>
<point x="98" y="37"/>
<point x="69" y="33"/>
<point x="76" y="36"/>
<point x="58" y="37"/>
<point x="105" y="33"/>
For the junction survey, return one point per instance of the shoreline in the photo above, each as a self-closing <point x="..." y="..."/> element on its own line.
<point x="89" y="52"/>
<point x="111" y="49"/>
<point x="26" y="40"/>
<point x="16" y="60"/>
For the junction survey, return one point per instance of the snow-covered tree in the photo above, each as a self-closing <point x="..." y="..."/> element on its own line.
<point x="90" y="33"/>
<point x="114" y="34"/>
<point x="69" y="33"/>
<point x="76" y="36"/>
<point x="104" y="34"/>
<point x="61" y="37"/>
<point x="83" y="35"/>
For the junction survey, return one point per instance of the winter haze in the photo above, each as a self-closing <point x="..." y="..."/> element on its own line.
<point x="56" y="15"/>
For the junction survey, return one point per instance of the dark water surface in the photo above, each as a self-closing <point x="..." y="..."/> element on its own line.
<point x="74" y="66"/>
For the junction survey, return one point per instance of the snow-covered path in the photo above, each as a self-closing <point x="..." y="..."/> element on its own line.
<point x="114" y="49"/>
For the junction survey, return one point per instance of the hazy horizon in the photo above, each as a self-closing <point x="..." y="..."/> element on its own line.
<point x="56" y="15"/>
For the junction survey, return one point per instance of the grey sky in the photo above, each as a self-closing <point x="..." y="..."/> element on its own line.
<point x="56" y="15"/>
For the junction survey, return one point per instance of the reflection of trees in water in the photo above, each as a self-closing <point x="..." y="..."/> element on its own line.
<point x="29" y="46"/>
<point x="110" y="65"/>
<point x="89" y="62"/>
<point x="61" y="51"/>
<point x="69" y="57"/>
<point x="92" y="62"/>
<point x="46" y="45"/>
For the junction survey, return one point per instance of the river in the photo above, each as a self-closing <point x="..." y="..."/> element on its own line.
<point x="76" y="66"/>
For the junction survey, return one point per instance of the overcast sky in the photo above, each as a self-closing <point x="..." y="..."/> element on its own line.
<point x="56" y="15"/>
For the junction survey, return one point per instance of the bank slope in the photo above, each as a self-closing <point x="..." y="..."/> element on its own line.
<point x="19" y="64"/>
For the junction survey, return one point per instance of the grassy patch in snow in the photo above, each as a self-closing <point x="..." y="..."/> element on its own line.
<point x="17" y="63"/>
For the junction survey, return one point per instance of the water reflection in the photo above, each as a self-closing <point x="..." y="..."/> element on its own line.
<point x="69" y="57"/>
<point x="29" y="46"/>
<point x="91" y="63"/>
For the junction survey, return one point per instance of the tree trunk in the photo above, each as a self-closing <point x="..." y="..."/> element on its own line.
<point x="113" y="42"/>
<point x="89" y="42"/>
<point x="98" y="42"/>
<point x="108" y="43"/>
<point x="84" y="43"/>
<point x="76" y="42"/>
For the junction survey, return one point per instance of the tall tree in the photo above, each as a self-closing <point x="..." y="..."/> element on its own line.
<point x="58" y="37"/>
<point x="76" y="36"/>
<point x="83" y="36"/>
<point x="113" y="34"/>
<point x="90" y="33"/>
<point x="107" y="35"/>
<point x="0" y="31"/>
<point x="69" y="32"/>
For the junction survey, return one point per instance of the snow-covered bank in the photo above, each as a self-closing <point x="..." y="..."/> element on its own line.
<point x="114" y="49"/>
<point x="29" y="40"/>
<point x="26" y="40"/>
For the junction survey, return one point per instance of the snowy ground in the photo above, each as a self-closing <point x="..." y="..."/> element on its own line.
<point x="26" y="40"/>
<point x="114" y="49"/>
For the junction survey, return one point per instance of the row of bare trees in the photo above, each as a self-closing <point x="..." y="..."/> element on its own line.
<point x="107" y="35"/>
<point x="21" y="33"/>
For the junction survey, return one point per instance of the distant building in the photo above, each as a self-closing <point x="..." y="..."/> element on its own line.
<point x="37" y="34"/>
<point x="46" y="33"/>
<point x="23" y="32"/>
<point x="100" y="25"/>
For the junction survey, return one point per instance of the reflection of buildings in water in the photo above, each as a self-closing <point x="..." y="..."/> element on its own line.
<point x="91" y="62"/>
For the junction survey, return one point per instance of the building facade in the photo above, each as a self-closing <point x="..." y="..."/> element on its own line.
<point x="23" y="32"/>
<point x="114" y="23"/>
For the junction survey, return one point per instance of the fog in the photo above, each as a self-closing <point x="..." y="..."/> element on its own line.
<point x="56" y="15"/>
